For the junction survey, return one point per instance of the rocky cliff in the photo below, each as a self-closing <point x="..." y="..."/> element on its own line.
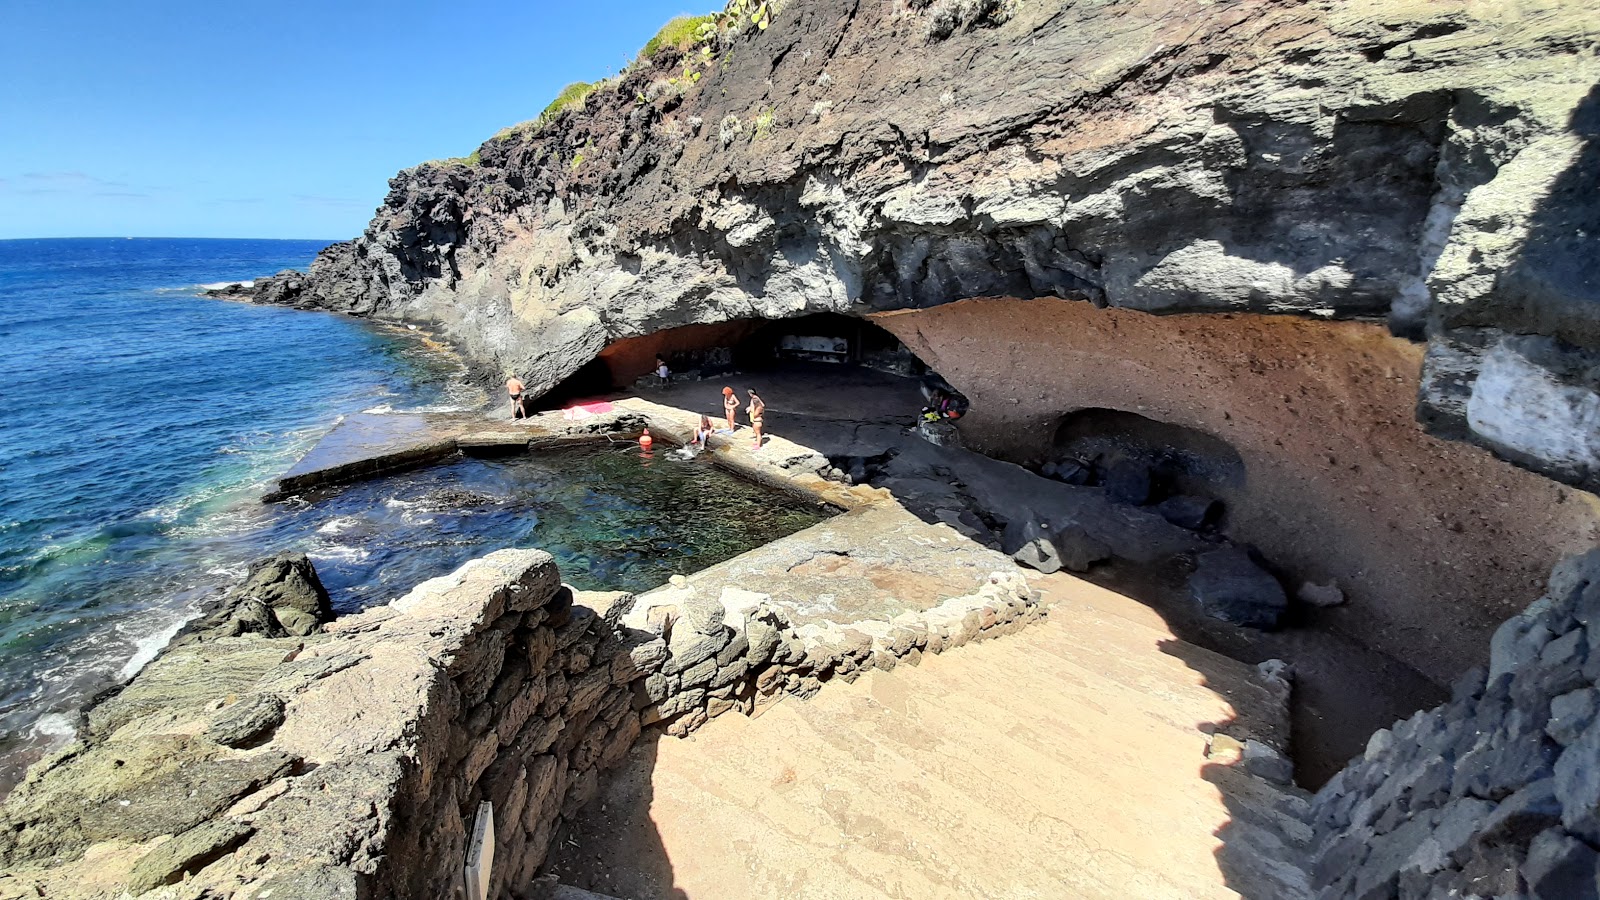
<point x="1431" y="163"/>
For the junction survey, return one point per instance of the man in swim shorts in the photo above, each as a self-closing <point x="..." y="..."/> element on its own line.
<point x="515" y="389"/>
<point x="758" y="412"/>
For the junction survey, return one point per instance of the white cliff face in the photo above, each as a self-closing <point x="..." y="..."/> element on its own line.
<point x="1519" y="408"/>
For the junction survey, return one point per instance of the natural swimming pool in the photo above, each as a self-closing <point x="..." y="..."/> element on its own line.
<point x="613" y="517"/>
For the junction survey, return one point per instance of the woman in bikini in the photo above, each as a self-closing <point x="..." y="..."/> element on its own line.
<point x="730" y="406"/>
<point x="758" y="411"/>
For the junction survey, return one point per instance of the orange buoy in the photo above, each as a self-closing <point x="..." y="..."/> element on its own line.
<point x="645" y="440"/>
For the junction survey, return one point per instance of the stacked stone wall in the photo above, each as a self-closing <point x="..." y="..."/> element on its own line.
<point x="1494" y="794"/>
<point x="552" y="688"/>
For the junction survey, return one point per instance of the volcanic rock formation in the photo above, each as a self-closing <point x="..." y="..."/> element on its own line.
<point x="1432" y="163"/>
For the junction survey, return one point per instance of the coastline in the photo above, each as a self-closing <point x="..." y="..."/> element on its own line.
<point x="209" y="519"/>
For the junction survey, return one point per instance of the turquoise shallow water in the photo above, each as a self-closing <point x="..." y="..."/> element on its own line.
<point x="142" y="424"/>
<point x="137" y="418"/>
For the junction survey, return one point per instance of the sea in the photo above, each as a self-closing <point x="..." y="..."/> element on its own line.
<point x="140" y="423"/>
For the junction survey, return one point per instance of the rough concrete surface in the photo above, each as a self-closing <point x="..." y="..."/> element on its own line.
<point x="1068" y="761"/>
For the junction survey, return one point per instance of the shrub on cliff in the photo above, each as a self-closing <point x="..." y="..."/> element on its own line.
<point x="681" y="32"/>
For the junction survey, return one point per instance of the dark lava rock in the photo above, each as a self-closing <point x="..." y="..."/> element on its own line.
<point x="246" y="722"/>
<point x="1080" y="550"/>
<point x="1129" y="482"/>
<point x="1018" y="533"/>
<point x="281" y="596"/>
<point x="1229" y="586"/>
<point x="1561" y="868"/>
<point x="1193" y="513"/>
<point x="1039" y="553"/>
<point x="288" y="585"/>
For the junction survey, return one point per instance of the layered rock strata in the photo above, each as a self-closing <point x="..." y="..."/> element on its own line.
<point x="1427" y="162"/>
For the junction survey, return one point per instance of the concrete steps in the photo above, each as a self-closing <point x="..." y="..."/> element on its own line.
<point x="1066" y="761"/>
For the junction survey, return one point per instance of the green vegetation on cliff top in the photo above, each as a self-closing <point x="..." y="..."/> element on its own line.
<point x="681" y="32"/>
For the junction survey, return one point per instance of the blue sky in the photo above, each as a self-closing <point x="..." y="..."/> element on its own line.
<point x="272" y="119"/>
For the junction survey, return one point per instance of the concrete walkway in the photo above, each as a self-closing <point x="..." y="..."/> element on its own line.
<point x="1067" y="761"/>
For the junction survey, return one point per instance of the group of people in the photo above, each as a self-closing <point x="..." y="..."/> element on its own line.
<point x="757" y="411"/>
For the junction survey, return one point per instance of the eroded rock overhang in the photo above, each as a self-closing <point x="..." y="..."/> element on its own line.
<point x="1431" y="164"/>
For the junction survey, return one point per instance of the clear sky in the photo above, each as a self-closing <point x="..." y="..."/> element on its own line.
<point x="271" y="118"/>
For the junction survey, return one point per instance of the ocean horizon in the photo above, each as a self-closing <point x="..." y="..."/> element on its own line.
<point x="143" y="422"/>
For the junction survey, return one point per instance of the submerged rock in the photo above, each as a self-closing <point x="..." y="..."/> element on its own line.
<point x="1229" y="586"/>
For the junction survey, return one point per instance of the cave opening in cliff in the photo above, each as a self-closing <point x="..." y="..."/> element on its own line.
<point x="708" y="351"/>
<point x="1177" y="458"/>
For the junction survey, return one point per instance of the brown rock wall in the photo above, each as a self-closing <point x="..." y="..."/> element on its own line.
<point x="1436" y="542"/>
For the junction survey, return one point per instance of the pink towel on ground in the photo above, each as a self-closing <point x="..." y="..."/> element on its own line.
<point x="585" y="410"/>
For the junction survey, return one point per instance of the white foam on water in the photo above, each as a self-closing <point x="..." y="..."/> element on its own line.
<point x="55" y="726"/>
<point x="339" y="525"/>
<point x="340" y="553"/>
<point x="396" y="503"/>
<point x="380" y="410"/>
<point x="149" y="647"/>
<point x="219" y="285"/>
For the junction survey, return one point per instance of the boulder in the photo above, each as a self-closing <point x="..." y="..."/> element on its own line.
<point x="1040" y="555"/>
<point x="281" y="596"/>
<point x="1229" y="586"/>
<point x="1313" y="594"/>
<point x="1129" y="482"/>
<point x="1080" y="550"/>
<point x="288" y="585"/>
<point x="1019" y="533"/>
<point x="246" y="722"/>
<point x="1187" y="511"/>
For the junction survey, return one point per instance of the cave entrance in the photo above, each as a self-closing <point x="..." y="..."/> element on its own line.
<point x="1179" y="459"/>
<point x="701" y="352"/>
<point x="825" y="338"/>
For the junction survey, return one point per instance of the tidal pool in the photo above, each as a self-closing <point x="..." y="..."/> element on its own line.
<point x="613" y="517"/>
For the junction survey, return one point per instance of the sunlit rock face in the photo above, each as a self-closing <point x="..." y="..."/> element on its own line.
<point x="1427" y="163"/>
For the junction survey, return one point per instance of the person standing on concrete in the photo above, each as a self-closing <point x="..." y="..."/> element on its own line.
<point x="514" y="388"/>
<point x="730" y="407"/>
<point x="758" y="412"/>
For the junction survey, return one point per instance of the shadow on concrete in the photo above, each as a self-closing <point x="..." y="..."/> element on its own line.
<point x="615" y="826"/>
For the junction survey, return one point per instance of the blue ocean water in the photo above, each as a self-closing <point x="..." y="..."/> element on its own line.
<point x="139" y="422"/>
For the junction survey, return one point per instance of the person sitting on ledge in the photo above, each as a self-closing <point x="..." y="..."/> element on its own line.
<point x="758" y="412"/>
<point x="702" y="434"/>
<point x="514" y="388"/>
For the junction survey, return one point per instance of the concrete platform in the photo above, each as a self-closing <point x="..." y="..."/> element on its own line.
<point x="1067" y="761"/>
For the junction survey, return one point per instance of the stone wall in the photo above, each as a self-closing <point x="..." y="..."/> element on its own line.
<point x="1494" y="794"/>
<point x="360" y="756"/>
<point x="554" y="691"/>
